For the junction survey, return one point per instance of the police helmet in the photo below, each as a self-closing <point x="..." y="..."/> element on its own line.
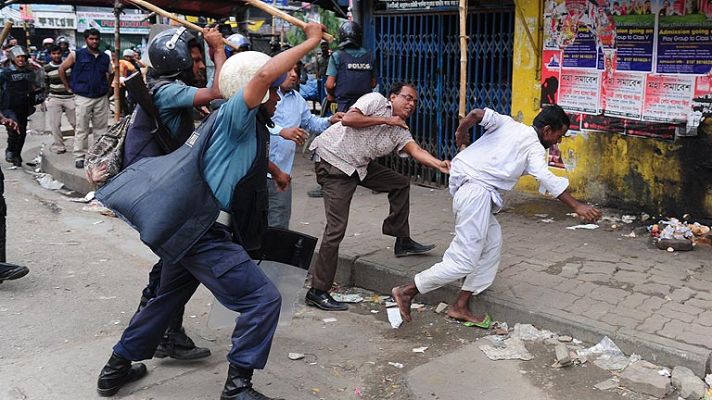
<point x="239" y="41"/>
<point x="350" y="33"/>
<point x="169" y="51"/>
<point x="17" y="51"/>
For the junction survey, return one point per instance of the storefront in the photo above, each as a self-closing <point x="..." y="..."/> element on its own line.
<point x="134" y="26"/>
<point x="419" y="41"/>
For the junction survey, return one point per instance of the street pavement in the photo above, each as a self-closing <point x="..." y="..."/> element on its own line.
<point x="86" y="280"/>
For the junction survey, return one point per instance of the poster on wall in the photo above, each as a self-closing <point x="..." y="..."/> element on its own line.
<point x="668" y="98"/>
<point x="623" y="94"/>
<point x="643" y="57"/>
<point x="685" y="38"/>
<point x="579" y="90"/>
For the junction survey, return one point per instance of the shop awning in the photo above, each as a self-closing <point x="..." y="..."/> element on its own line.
<point x="206" y="8"/>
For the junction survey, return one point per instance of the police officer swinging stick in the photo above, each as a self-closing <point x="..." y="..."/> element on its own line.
<point x="185" y="204"/>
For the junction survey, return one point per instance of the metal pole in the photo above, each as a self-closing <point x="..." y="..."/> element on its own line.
<point x="463" y="59"/>
<point x="117" y="48"/>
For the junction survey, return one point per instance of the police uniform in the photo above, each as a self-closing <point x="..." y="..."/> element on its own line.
<point x="354" y="69"/>
<point x="17" y="86"/>
<point x="174" y="202"/>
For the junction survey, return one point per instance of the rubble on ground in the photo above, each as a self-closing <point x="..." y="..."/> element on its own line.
<point x="679" y="235"/>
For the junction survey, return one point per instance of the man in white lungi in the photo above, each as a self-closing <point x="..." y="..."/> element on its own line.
<point x="507" y="150"/>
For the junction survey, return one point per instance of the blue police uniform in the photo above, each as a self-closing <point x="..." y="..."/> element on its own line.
<point x="174" y="201"/>
<point x="354" y="69"/>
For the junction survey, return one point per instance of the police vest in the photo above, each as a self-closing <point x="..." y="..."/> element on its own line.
<point x="353" y="78"/>
<point x="140" y="141"/>
<point x="17" y="86"/>
<point x="89" y="74"/>
<point x="167" y="200"/>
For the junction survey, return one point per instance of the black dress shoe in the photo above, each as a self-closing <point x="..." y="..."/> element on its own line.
<point x="321" y="299"/>
<point x="238" y="386"/>
<point x="10" y="272"/>
<point x="17" y="161"/>
<point x="406" y="246"/>
<point x="177" y="345"/>
<point x="117" y="372"/>
<point x="79" y="164"/>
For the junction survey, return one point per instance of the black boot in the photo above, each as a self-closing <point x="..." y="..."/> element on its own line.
<point x="117" y="372"/>
<point x="406" y="246"/>
<point x="9" y="271"/>
<point x="176" y="344"/>
<point x="238" y="385"/>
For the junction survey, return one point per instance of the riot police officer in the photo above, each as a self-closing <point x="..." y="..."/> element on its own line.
<point x="8" y="271"/>
<point x="351" y="72"/>
<point x="176" y="68"/>
<point x="17" y="83"/>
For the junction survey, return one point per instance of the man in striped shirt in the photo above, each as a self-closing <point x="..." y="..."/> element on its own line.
<point x="60" y="100"/>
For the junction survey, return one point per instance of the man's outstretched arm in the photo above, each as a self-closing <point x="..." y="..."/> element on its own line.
<point x="586" y="211"/>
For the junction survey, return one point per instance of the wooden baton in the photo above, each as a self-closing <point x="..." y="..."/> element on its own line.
<point x="171" y="16"/>
<point x="6" y="30"/>
<point x="283" y="15"/>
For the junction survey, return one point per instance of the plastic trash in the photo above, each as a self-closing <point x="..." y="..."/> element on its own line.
<point x="347" y="298"/>
<point x="583" y="226"/>
<point x="528" y="332"/>
<point x="606" y="345"/>
<point x="394" y="317"/>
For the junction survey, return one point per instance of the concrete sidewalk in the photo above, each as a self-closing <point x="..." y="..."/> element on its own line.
<point x="583" y="283"/>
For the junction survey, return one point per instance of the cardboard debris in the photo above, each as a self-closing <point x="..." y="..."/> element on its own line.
<point x="420" y="349"/>
<point x="441" y="308"/>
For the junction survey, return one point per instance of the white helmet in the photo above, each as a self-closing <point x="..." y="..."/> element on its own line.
<point x="129" y="53"/>
<point x="240" y="69"/>
<point x="48" y="40"/>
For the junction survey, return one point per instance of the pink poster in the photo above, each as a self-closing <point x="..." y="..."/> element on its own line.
<point x="667" y="98"/>
<point x="623" y="94"/>
<point x="579" y="90"/>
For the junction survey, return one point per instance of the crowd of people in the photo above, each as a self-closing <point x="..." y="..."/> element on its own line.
<point x="207" y="169"/>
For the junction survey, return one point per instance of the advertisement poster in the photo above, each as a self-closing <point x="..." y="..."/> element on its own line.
<point x="685" y="41"/>
<point x="635" y="36"/>
<point x="668" y="98"/>
<point x="633" y="67"/>
<point x="623" y="94"/>
<point x="550" y="77"/>
<point x="579" y="90"/>
<point x="583" y="52"/>
<point x="131" y="24"/>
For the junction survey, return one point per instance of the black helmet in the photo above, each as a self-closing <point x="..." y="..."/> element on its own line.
<point x="350" y="33"/>
<point x="169" y="51"/>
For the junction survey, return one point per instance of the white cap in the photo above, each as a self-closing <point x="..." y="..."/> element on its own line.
<point x="48" y="40"/>
<point x="240" y="69"/>
<point x="129" y="53"/>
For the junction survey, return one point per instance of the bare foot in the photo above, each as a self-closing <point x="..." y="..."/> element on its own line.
<point x="464" y="314"/>
<point x="403" y="301"/>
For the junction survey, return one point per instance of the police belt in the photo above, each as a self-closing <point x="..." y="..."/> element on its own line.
<point x="224" y="218"/>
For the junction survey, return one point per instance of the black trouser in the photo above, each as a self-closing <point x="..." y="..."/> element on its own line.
<point x="3" y="214"/>
<point x="150" y="291"/>
<point x="16" y="139"/>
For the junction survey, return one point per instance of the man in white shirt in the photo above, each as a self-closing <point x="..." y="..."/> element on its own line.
<point x="507" y="150"/>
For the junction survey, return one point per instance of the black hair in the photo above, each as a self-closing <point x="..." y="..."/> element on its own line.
<point x="552" y="115"/>
<point x="398" y="86"/>
<point x="54" y="48"/>
<point x="91" y="32"/>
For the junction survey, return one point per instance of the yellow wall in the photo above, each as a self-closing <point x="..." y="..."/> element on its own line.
<point x="609" y="168"/>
